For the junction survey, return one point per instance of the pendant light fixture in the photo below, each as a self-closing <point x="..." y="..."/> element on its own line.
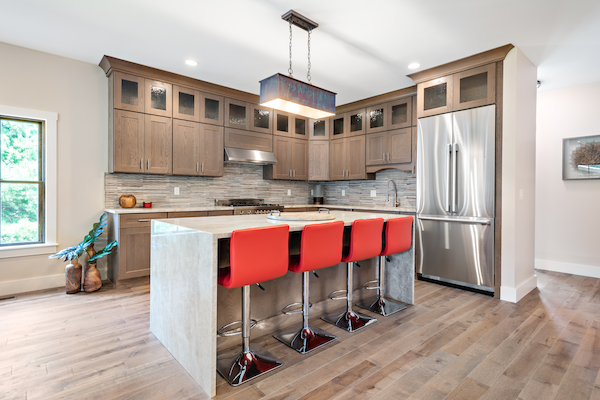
<point x="285" y="93"/>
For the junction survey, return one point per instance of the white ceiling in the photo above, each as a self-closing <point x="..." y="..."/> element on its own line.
<point x="361" y="48"/>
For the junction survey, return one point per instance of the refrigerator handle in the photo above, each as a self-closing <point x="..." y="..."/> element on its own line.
<point x="448" y="177"/>
<point x="454" y="173"/>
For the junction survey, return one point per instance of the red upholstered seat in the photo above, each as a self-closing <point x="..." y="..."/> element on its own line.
<point x="397" y="235"/>
<point x="365" y="240"/>
<point x="256" y="255"/>
<point x="320" y="247"/>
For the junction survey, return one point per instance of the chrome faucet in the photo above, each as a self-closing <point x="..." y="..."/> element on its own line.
<point x="396" y="204"/>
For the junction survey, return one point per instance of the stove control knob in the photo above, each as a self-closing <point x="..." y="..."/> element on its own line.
<point x="242" y="212"/>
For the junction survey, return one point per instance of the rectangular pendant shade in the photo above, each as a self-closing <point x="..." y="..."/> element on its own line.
<point x="287" y="94"/>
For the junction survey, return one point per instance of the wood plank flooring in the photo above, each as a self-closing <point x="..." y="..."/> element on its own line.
<point x="451" y="344"/>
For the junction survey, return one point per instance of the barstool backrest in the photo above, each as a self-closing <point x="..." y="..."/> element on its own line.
<point x="365" y="239"/>
<point x="398" y="235"/>
<point x="257" y="255"/>
<point x="320" y="246"/>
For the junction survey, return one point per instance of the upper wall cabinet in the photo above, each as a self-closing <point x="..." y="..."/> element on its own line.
<point x="472" y="88"/>
<point x="349" y="124"/>
<point x="158" y="98"/>
<point x="318" y="129"/>
<point x="261" y="119"/>
<point x="237" y="114"/>
<point x="193" y="105"/>
<point x="128" y="92"/>
<point x="393" y="115"/>
<point x="290" y="125"/>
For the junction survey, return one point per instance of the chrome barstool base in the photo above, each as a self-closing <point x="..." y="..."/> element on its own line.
<point x="239" y="367"/>
<point x="349" y="320"/>
<point x="383" y="307"/>
<point x="311" y="340"/>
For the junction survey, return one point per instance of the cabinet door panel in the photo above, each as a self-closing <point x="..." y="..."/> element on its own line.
<point x="318" y="160"/>
<point x="377" y="148"/>
<point x="318" y="129"/>
<point x="356" y="158"/>
<point x="400" y="113"/>
<point x="128" y="141"/>
<point x="211" y="109"/>
<point x="400" y="149"/>
<point x="158" y="98"/>
<point x="356" y="122"/>
<point x="337" y="127"/>
<point x="282" y="123"/>
<point x="128" y="92"/>
<point x="212" y="150"/>
<point x="337" y="159"/>
<point x="300" y="128"/>
<point x="186" y="147"/>
<point x="248" y="140"/>
<point x="377" y="118"/>
<point x="261" y="119"/>
<point x="475" y="87"/>
<point x="134" y="252"/>
<point x="237" y="114"/>
<point x="158" y="145"/>
<point x="186" y="104"/>
<point x="435" y="96"/>
<point x="282" y="148"/>
<point x="300" y="160"/>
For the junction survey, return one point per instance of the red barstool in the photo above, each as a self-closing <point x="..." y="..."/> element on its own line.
<point x="320" y="247"/>
<point x="365" y="242"/>
<point x="397" y="238"/>
<point x="256" y="255"/>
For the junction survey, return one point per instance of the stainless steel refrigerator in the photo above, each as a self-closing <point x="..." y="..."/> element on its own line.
<point x="455" y="197"/>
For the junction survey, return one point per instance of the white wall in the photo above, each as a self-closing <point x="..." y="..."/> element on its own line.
<point x="78" y="92"/>
<point x="518" y="176"/>
<point x="567" y="212"/>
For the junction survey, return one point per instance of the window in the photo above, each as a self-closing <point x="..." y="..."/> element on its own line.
<point x="27" y="182"/>
<point x="21" y="182"/>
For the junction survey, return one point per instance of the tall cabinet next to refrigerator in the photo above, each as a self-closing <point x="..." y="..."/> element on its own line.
<point x="455" y="197"/>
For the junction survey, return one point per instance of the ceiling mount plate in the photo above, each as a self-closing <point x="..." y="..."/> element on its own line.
<point x="299" y="20"/>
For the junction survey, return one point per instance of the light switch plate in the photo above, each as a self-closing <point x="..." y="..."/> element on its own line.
<point x="343" y="192"/>
<point x="373" y="193"/>
<point x="176" y="191"/>
<point x="520" y="194"/>
<point x="289" y="192"/>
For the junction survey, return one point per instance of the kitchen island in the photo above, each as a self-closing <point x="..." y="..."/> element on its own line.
<point x="187" y="305"/>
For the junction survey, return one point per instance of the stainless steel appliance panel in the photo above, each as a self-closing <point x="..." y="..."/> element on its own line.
<point x="457" y="251"/>
<point x="473" y="166"/>
<point x="434" y="140"/>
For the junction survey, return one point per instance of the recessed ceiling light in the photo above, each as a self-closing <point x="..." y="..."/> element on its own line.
<point x="414" y="66"/>
<point x="191" y="62"/>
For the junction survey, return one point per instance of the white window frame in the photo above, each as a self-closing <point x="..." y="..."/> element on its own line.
<point x="50" y="123"/>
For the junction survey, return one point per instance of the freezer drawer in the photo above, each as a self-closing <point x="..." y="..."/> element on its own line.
<point x="457" y="251"/>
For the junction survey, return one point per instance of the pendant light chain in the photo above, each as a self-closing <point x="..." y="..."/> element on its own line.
<point x="308" y="73"/>
<point x="290" y="70"/>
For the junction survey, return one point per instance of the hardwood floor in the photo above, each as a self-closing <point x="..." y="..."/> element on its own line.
<point x="452" y="344"/>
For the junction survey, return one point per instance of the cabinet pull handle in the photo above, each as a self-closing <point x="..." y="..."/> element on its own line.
<point x="294" y="173"/>
<point x="383" y="156"/>
<point x="203" y="167"/>
<point x="290" y="173"/>
<point x="143" y="220"/>
<point x="196" y="167"/>
<point x="141" y="163"/>
<point x="388" y="156"/>
<point x="148" y="164"/>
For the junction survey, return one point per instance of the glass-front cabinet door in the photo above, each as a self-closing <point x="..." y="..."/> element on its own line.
<point x="211" y="109"/>
<point x="186" y="104"/>
<point x="237" y="114"/>
<point x="318" y="129"/>
<point x="337" y="127"/>
<point x="128" y="92"/>
<point x="435" y="96"/>
<point x="475" y="87"/>
<point x="261" y="119"/>
<point x="376" y="118"/>
<point x="158" y="98"/>
<point x="356" y="122"/>
<point x="282" y="123"/>
<point x="400" y="113"/>
<point x="300" y="128"/>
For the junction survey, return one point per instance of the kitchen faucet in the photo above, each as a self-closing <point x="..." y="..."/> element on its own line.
<point x="396" y="204"/>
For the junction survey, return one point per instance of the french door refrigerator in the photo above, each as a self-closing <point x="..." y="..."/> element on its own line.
<point x="455" y="197"/>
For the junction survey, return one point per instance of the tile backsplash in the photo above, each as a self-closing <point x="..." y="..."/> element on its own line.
<point x="246" y="181"/>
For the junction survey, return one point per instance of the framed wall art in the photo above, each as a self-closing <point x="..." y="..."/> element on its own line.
<point x="581" y="158"/>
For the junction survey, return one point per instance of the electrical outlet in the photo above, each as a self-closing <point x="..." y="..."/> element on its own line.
<point x="373" y="193"/>
<point x="176" y="191"/>
<point x="343" y="192"/>
<point x="289" y="192"/>
<point x="520" y="194"/>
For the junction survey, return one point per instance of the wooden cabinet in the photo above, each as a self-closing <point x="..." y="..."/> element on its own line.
<point x="290" y="125"/>
<point x="197" y="149"/>
<point x="393" y="115"/>
<point x="471" y="88"/>
<point x="377" y="148"/>
<point x="347" y="158"/>
<point x="387" y="148"/>
<point x="318" y="160"/>
<point x="241" y="139"/>
<point x="292" y="160"/>
<point x="237" y="114"/>
<point x="141" y="143"/>
<point x="158" y="98"/>
<point x="128" y="92"/>
<point x="261" y="119"/>
<point x="318" y="129"/>
<point x="352" y="123"/>
<point x="193" y="105"/>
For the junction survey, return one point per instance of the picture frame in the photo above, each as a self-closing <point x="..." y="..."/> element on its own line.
<point x="581" y="158"/>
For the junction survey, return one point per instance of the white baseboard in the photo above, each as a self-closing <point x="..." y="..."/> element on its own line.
<point x="32" y="284"/>
<point x="515" y="294"/>
<point x="568" y="268"/>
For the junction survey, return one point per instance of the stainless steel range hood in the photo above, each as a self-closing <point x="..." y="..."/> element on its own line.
<point x="245" y="156"/>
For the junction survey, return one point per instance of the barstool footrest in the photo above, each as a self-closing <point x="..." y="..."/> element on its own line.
<point x="333" y="294"/>
<point x="285" y="310"/>
<point x="381" y="306"/>
<point x="223" y="332"/>
<point x="349" y="320"/>
<point x="303" y="340"/>
<point x="369" y="285"/>
<point x="239" y="367"/>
